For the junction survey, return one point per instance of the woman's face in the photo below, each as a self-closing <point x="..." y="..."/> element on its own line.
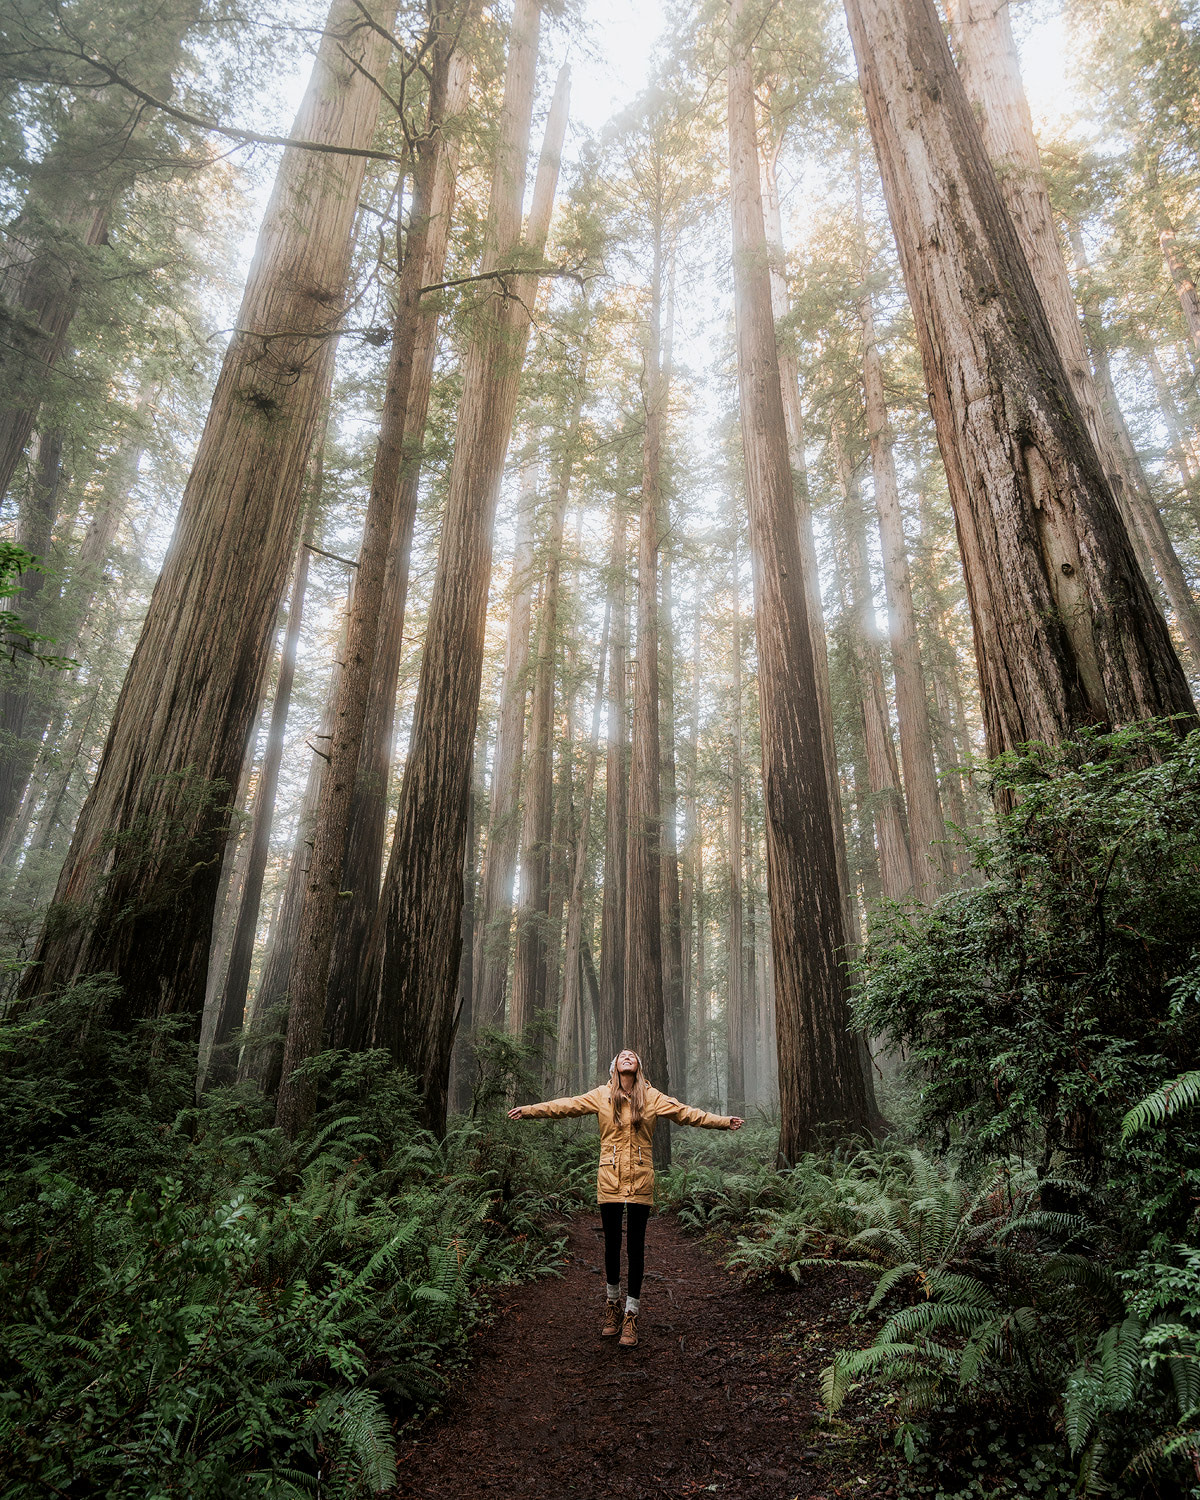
<point x="627" y="1062"/>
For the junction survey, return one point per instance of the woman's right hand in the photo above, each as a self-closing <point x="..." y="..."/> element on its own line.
<point x="515" y="1114"/>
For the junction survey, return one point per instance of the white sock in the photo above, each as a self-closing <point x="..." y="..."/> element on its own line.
<point x="632" y="1304"/>
<point x="614" y="1292"/>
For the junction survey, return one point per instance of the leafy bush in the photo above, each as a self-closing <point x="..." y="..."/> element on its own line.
<point x="1041" y="1006"/>
<point x="1034" y="1255"/>
<point x="194" y="1306"/>
<point x="1047" y="1015"/>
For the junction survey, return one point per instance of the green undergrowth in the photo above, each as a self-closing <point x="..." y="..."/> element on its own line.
<point x="1033" y="1233"/>
<point x="193" y="1306"/>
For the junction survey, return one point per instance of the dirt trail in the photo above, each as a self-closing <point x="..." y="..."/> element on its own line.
<point x="719" y="1397"/>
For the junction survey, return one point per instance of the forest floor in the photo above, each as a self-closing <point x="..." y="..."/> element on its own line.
<point x="721" y="1395"/>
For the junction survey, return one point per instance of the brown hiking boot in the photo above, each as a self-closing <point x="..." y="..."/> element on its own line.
<point x="629" y="1332"/>
<point x="612" y="1320"/>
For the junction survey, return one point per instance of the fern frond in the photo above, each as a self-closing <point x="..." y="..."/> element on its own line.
<point x="1174" y="1096"/>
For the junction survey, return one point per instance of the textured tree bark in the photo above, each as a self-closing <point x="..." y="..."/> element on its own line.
<point x="883" y="771"/>
<point x="49" y="253"/>
<point x="395" y="479"/>
<point x="822" y="1083"/>
<point x="735" y="1004"/>
<point x="417" y="935"/>
<point x="610" y="1024"/>
<point x="674" y="994"/>
<point x="530" y="966"/>
<point x="991" y="74"/>
<point x="789" y="377"/>
<point x="136" y="894"/>
<point x="1066" y="631"/>
<point x="926" y="826"/>
<point x="222" y="1066"/>
<point x="308" y="981"/>
<point x="645" y="1021"/>
<point x="494" y="928"/>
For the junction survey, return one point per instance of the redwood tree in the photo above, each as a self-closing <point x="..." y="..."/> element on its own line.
<point x="137" y="891"/>
<point x="821" y="1078"/>
<point x="418" y="930"/>
<point x="1066" y="631"/>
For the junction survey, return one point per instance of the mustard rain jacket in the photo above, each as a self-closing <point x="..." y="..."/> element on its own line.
<point x="626" y="1158"/>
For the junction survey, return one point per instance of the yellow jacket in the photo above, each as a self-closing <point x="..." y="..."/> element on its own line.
<point x="626" y="1155"/>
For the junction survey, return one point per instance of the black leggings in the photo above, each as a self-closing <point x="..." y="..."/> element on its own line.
<point x="610" y="1216"/>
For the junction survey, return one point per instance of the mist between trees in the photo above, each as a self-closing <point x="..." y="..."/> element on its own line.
<point x="569" y="589"/>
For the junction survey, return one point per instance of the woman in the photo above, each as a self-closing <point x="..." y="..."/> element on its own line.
<point x="629" y="1108"/>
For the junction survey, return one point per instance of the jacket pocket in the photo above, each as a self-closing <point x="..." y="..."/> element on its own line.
<point x="609" y="1179"/>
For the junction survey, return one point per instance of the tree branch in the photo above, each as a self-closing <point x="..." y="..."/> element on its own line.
<point x="230" y="132"/>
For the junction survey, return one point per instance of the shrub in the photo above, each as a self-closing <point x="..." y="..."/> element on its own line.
<point x="195" y="1306"/>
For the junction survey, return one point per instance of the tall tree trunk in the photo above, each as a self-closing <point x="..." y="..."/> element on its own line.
<point x="703" y="1024"/>
<point x="1177" y="269"/>
<point x="735" y="1005"/>
<point x="645" y="1021"/>
<point x="689" y="864"/>
<point x="266" y="1021"/>
<point x="572" y="956"/>
<point x="822" y="1082"/>
<point x="887" y="800"/>
<point x="1066" y="630"/>
<point x="674" y="993"/>
<point x="749" y="992"/>
<point x="992" y="77"/>
<point x="789" y="378"/>
<point x="926" y="826"/>
<point x="1147" y="519"/>
<point x="465" y="1001"/>
<point x="187" y="704"/>
<point x="1183" y="451"/>
<point x="222" y="1067"/>
<point x="610" y="1025"/>
<point x="494" y="928"/>
<point x="308" y="982"/>
<point x="530" y="967"/>
<point x="395" y="482"/>
<point x="227" y="905"/>
<point x="414" y="947"/>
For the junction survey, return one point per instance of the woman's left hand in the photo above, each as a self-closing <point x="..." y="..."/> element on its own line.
<point x="736" y="1122"/>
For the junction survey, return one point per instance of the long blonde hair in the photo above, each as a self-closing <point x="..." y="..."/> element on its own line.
<point x="636" y="1096"/>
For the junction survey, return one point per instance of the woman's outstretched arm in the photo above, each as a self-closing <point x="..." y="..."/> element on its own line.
<point x="558" y="1109"/>
<point x="685" y="1114"/>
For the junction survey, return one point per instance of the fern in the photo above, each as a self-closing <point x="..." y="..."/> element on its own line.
<point x="1171" y="1098"/>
